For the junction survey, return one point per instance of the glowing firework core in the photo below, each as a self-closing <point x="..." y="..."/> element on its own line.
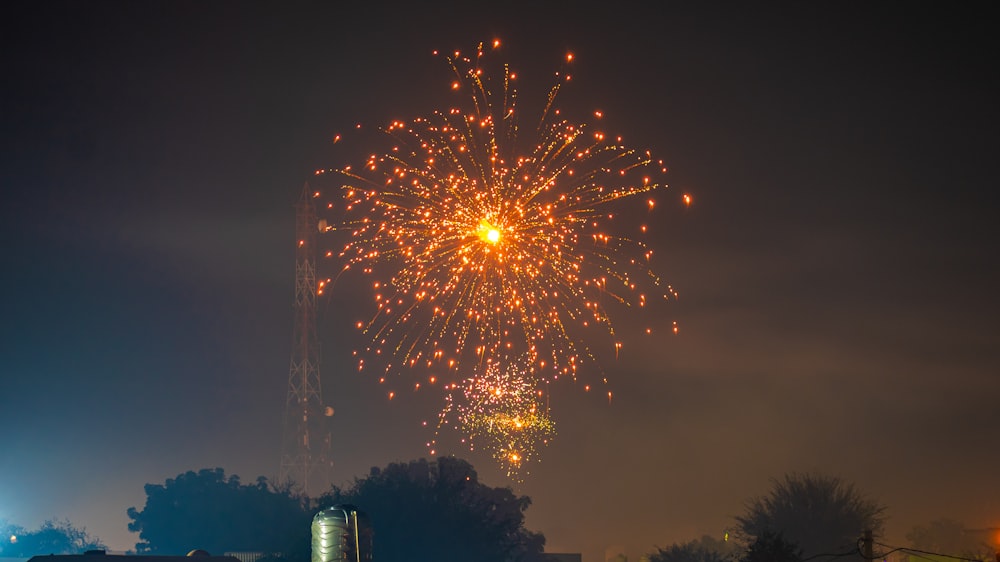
<point x="488" y="233"/>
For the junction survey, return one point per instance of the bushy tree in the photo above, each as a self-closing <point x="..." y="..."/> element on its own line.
<point x="52" y="537"/>
<point x="705" y="549"/>
<point x="210" y="511"/>
<point x="819" y="514"/>
<point x="771" y="547"/>
<point x="425" y="511"/>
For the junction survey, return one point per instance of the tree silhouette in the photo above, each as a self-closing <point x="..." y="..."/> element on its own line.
<point x="820" y="514"/>
<point x="772" y="547"/>
<point x="207" y="510"/>
<point x="705" y="549"/>
<point x="439" y="512"/>
<point x="52" y="537"/>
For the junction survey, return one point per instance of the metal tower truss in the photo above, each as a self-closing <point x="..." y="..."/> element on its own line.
<point x="306" y="449"/>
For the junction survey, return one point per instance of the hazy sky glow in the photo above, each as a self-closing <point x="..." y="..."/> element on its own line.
<point x="836" y="271"/>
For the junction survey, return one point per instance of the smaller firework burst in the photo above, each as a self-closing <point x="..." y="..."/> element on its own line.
<point x="502" y="410"/>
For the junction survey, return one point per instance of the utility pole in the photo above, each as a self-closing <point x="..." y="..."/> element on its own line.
<point x="866" y="548"/>
<point x="306" y="456"/>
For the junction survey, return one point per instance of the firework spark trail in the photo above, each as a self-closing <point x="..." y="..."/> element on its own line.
<point x="484" y="248"/>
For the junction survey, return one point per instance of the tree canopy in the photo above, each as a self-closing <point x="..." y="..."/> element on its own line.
<point x="419" y="511"/>
<point x="771" y="547"/>
<point x="819" y="514"/>
<point x="440" y="512"/>
<point x="210" y="511"/>
<point x="52" y="537"/>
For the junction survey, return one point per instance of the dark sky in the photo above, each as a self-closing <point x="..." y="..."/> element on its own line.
<point x="837" y="271"/>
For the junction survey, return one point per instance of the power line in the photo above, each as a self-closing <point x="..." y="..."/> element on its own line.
<point x="918" y="553"/>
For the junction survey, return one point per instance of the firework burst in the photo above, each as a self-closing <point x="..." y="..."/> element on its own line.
<point x="501" y="410"/>
<point x="491" y="243"/>
<point x="484" y="243"/>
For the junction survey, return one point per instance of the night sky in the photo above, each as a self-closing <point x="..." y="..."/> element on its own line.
<point x="837" y="271"/>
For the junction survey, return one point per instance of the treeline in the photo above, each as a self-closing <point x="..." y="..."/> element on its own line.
<point x="438" y="511"/>
<point x="423" y="510"/>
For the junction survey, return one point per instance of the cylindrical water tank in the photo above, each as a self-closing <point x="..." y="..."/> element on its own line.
<point x="341" y="533"/>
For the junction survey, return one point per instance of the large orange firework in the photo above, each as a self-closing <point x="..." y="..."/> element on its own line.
<point x="489" y="243"/>
<point x="484" y="243"/>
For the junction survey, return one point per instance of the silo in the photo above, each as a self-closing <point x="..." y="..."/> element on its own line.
<point x="341" y="533"/>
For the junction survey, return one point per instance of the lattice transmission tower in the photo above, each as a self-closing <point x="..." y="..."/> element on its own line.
<point x="306" y="451"/>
